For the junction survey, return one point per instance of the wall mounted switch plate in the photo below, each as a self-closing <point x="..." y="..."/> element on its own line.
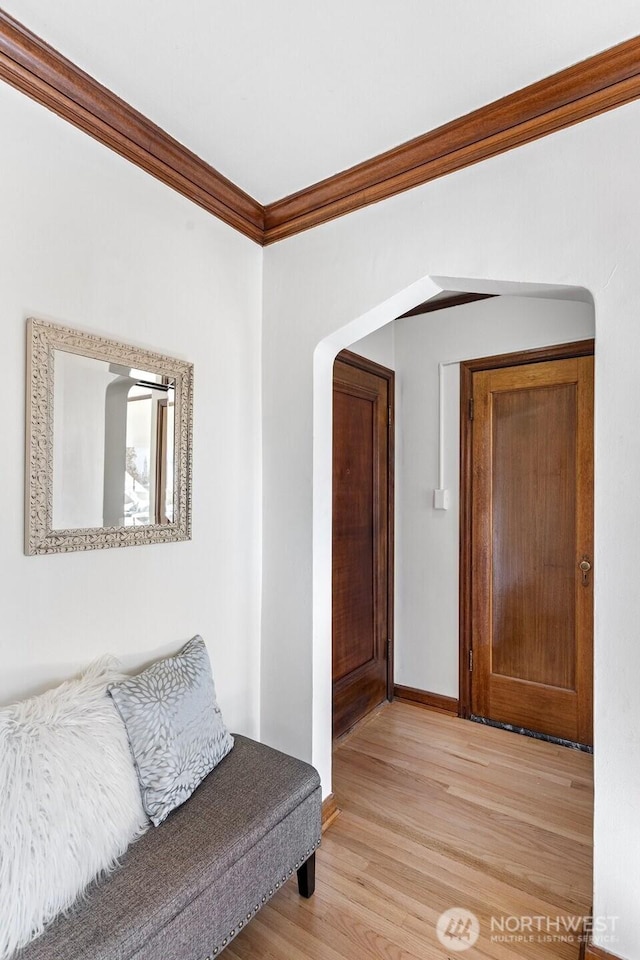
<point x="441" y="499"/>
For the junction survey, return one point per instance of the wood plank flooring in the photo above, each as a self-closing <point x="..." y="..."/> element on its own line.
<point x="437" y="813"/>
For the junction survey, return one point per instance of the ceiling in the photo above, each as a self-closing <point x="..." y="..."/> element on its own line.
<point x="278" y="94"/>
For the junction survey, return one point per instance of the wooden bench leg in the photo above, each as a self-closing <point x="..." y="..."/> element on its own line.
<point x="307" y="877"/>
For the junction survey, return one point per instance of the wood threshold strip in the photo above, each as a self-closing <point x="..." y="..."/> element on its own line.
<point x="434" y="701"/>
<point x="600" y="83"/>
<point x="33" y="67"/>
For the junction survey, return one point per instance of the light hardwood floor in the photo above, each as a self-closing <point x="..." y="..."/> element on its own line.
<point x="437" y="813"/>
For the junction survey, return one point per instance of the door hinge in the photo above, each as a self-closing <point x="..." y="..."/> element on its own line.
<point x="470" y="661"/>
<point x="470" y="408"/>
<point x="389" y="416"/>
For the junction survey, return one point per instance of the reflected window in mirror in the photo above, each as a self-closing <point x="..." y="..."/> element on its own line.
<point x="148" y="478"/>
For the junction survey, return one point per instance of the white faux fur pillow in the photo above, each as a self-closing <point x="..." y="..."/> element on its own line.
<point x="69" y="800"/>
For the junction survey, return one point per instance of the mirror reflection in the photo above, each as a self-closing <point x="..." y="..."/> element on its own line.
<point x="113" y="448"/>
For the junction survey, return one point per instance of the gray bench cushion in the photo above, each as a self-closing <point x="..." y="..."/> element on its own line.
<point x="186" y="886"/>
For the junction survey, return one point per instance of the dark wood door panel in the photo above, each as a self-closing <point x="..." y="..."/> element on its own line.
<point x="354" y="696"/>
<point x="361" y="548"/>
<point x="354" y="549"/>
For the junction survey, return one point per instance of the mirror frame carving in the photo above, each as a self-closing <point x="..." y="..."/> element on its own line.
<point x="43" y="338"/>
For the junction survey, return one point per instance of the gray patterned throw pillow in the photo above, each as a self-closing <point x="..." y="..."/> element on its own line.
<point x="175" y="727"/>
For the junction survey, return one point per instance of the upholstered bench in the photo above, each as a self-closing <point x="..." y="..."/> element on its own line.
<point x="185" y="889"/>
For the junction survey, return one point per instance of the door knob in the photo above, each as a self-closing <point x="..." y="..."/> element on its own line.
<point x="585" y="567"/>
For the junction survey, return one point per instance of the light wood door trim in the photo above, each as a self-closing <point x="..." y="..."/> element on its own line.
<point x="581" y="348"/>
<point x="585" y="522"/>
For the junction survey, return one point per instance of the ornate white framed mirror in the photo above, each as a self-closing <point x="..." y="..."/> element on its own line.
<point x="108" y="443"/>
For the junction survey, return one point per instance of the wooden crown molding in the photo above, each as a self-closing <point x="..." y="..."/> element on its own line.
<point x="602" y="82"/>
<point x="35" y="68"/>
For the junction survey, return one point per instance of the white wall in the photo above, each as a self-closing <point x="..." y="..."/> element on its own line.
<point x="378" y="346"/>
<point x="88" y="240"/>
<point x="427" y="540"/>
<point x="560" y="211"/>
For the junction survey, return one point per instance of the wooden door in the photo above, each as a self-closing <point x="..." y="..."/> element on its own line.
<point x="532" y="528"/>
<point x="362" y="557"/>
